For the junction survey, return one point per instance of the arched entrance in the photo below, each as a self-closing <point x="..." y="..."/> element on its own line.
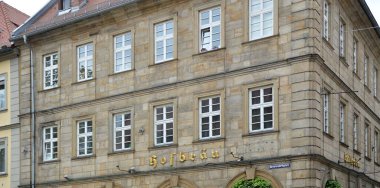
<point x="253" y="173"/>
<point x="177" y="182"/>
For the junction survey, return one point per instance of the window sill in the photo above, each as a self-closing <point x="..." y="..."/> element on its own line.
<point x="209" y="52"/>
<point x="209" y="140"/>
<point x="368" y="158"/>
<point x="121" y="152"/>
<point x="2" y="174"/>
<point x="343" y="60"/>
<point x="82" y="82"/>
<point x="328" y="44"/>
<point x="3" y="110"/>
<point x="328" y="135"/>
<point x="264" y="39"/>
<point x="163" y="62"/>
<point x="50" y="89"/>
<point x="83" y="157"/>
<point x="367" y="88"/>
<point x="163" y="147"/>
<point x="356" y="75"/>
<point x="50" y="162"/>
<point x="261" y="133"/>
<point x="357" y="152"/>
<point x="343" y="144"/>
<point x="121" y="72"/>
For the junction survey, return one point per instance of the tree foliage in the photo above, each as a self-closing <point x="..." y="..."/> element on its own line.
<point x="333" y="184"/>
<point x="252" y="183"/>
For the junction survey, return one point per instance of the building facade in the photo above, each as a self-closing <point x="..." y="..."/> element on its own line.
<point x="199" y="93"/>
<point x="10" y="19"/>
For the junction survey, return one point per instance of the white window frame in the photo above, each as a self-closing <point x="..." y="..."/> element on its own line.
<point x="260" y="13"/>
<point x="50" y="69"/>
<point x="261" y="106"/>
<point x="355" y="131"/>
<point x="164" y="40"/>
<point x="211" y="29"/>
<point x="49" y="156"/>
<point x="86" y="135"/>
<point x="326" y="112"/>
<point x="355" y="56"/>
<point x="125" y="49"/>
<point x="5" y="147"/>
<point x="210" y="114"/>
<point x="366" y="141"/>
<point x="88" y="57"/>
<point x="342" y="40"/>
<point x="164" y="122"/>
<point x="124" y="127"/>
<point x="374" y="81"/>
<point x="366" y="70"/>
<point x="342" y="122"/>
<point x="3" y="93"/>
<point x="326" y="19"/>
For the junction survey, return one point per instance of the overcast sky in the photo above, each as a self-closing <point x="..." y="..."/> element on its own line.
<point x="30" y="7"/>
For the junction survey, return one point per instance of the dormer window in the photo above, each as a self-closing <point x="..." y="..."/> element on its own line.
<point x="64" y="5"/>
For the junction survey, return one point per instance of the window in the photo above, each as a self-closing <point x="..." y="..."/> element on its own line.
<point x="164" y="41"/>
<point x="355" y="56"/>
<point x="376" y="147"/>
<point x="64" y="4"/>
<point x="123" y="52"/>
<point x="210" y="29"/>
<point x="122" y="135"/>
<point x="50" y="147"/>
<point x="355" y="131"/>
<point x="85" y="141"/>
<point x="3" y="156"/>
<point x="260" y="19"/>
<point x="326" y="114"/>
<point x="367" y="144"/>
<point x="3" y="93"/>
<point x="50" y="71"/>
<point x="85" y="62"/>
<point x="163" y="125"/>
<point x="342" y="108"/>
<point x="326" y="16"/>
<point x="261" y="109"/>
<point x="374" y="81"/>
<point x="366" y="70"/>
<point x="209" y="117"/>
<point x="342" y="36"/>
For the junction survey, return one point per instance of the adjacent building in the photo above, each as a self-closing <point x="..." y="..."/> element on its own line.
<point x="199" y="93"/>
<point x="10" y="19"/>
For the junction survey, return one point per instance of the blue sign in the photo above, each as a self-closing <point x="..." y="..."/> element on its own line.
<point x="277" y="166"/>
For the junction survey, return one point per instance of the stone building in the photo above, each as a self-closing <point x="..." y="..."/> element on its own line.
<point x="199" y="93"/>
<point x="10" y="19"/>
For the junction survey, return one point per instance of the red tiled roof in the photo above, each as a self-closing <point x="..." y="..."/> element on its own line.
<point x="10" y="19"/>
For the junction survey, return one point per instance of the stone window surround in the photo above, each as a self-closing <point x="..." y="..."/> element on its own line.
<point x="151" y="130"/>
<point x="367" y="145"/>
<point x="358" y="123"/>
<point x="86" y="59"/>
<point x="342" y="39"/>
<point x="327" y="90"/>
<point x="275" y="92"/>
<point x="328" y="20"/>
<point x="376" y="145"/>
<point x="39" y="132"/>
<point x="122" y="51"/>
<point x="159" y="19"/>
<point x="344" y="102"/>
<point x="355" y="56"/>
<point x="74" y="139"/>
<point x="112" y="130"/>
<point x="5" y="139"/>
<point x="246" y="14"/>
<point x="197" y="98"/>
<point x="196" y="24"/>
<point x="111" y="66"/>
<point x="50" y="140"/>
<point x="75" y="72"/>
<point x="43" y="70"/>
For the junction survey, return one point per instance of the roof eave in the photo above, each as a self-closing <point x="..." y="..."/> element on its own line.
<point x="372" y="19"/>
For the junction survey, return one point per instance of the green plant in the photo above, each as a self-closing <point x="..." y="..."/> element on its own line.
<point x="252" y="183"/>
<point x="333" y="184"/>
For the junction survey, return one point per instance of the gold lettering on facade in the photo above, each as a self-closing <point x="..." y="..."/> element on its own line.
<point x="192" y="157"/>
<point x="351" y="160"/>
<point x="172" y="159"/>
<point x="153" y="161"/>
<point x="203" y="154"/>
<point x="182" y="157"/>
<point x="214" y="154"/>
<point x="163" y="160"/>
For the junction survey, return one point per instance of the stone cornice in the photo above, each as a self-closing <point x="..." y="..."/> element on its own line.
<point x="9" y="127"/>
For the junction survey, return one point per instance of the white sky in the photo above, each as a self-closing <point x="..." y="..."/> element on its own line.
<point x="30" y="7"/>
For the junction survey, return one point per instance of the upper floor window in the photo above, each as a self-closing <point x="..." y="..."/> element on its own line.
<point x="209" y="117"/>
<point x="122" y="131"/>
<point x="374" y="82"/>
<point x="342" y="109"/>
<point x="123" y="52"/>
<point x="261" y="109"/>
<point x="326" y="114"/>
<point x="210" y="29"/>
<point x="50" y="140"/>
<point x="366" y="70"/>
<point x="326" y="19"/>
<point x="3" y="94"/>
<point x="260" y="18"/>
<point x="355" y="131"/>
<point x="163" y="124"/>
<point x="85" y="62"/>
<point x="342" y="35"/>
<point x="84" y="138"/>
<point x="50" y="71"/>
<point x="164" y="41"/>
<point x="355" y="56"/>
<point x="64" y="4"/>
<point x="3" y="156"/>
<point x="367" y="141"/>
<point x="376" y="147"/>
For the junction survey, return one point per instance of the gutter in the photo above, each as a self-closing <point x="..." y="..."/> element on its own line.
<point x="370" y="16"/>
<point x="33" y="118"/>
